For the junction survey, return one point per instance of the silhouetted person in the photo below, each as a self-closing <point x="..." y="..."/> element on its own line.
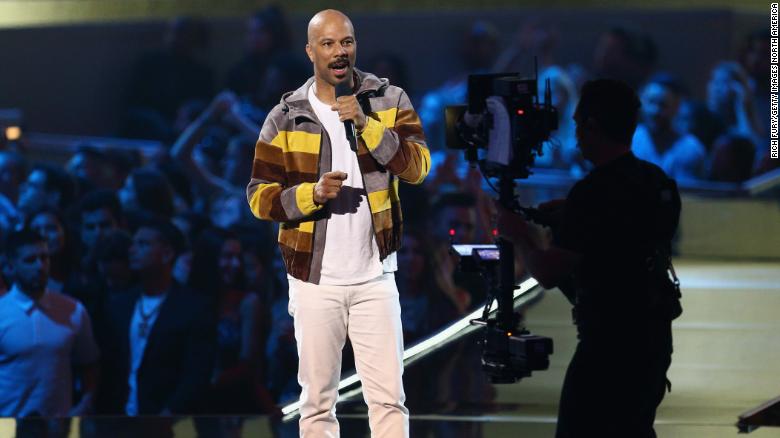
<point x="610" y="254"/>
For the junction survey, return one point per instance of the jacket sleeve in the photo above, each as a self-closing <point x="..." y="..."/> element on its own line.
<point x="399" y="145"/>
<point x="268" y="194"/>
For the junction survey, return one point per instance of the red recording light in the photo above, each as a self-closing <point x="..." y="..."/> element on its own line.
<point x="495" y="232"/>
<point x="520" y="112"/>
<point x="452" y="231"/>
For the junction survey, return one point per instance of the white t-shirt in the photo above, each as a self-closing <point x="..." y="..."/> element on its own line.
<point x="151" y="306"/>
<point x="351" y="254"/>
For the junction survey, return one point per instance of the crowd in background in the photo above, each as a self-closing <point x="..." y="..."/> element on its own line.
<point x="116" y="222"/>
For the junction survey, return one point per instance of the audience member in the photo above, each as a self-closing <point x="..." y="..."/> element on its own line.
<point x="44" y="334"/>
<point x="161" y="336"/>
<point x="657" y="140"/>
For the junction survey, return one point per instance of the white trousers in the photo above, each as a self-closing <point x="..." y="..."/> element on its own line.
<point x="371" y="315"/>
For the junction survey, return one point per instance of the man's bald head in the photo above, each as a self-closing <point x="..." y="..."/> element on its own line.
<point x="331" y="48"/>
<point x="324" y="18"/>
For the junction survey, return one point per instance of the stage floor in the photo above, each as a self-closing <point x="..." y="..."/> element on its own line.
<point x="726" y="361"/>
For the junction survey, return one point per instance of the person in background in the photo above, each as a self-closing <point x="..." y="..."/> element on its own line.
<point x="161" y="337"/>
<point x="50" y="225"/>
<point x="656" y="138"/>
<point x="237" y="383"/>
<point x="44" y="334"/>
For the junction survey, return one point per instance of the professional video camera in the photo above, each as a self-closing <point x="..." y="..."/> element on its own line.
<point x="504" y="117"/>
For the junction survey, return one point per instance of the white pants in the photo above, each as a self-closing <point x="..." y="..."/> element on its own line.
<point x="370" y="313"/>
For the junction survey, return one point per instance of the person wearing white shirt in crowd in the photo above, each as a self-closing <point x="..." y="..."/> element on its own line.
<point x="42" y="335"/>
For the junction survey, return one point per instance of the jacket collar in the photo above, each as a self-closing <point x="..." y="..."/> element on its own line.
<point x="296" y="103"/>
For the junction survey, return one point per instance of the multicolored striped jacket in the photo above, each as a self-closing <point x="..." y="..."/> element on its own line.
<point x="294" y="150"/>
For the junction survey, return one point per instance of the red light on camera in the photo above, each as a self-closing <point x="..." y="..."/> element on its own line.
<point x="520" y="112"/>
<point x="452" y="231"/>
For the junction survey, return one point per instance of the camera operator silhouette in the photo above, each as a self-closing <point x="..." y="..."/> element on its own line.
<point x="609" y="252"/>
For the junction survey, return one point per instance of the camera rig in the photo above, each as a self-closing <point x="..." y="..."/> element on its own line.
<point x="505" y="118"/>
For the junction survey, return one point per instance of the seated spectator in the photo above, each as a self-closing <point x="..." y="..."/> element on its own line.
<point x="656" y="138"/>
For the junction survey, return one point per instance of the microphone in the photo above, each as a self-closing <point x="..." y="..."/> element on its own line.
<point x="343" y="89"/>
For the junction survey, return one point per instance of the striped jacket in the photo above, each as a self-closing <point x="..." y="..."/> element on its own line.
<point x="294" y="150"/>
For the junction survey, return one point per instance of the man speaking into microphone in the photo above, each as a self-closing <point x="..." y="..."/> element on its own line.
<point x="340" y="223"/>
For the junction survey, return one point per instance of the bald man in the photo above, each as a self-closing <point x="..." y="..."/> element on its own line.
<point x="340" y="224"/>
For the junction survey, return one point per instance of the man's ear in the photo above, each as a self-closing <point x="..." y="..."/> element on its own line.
<point x="309" y="52"/>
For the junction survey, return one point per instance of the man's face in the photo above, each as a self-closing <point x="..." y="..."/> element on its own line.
<point x="148" y="250"/>
<point x="332" y="49"/>
<point x="659" y="106"/>
<point x="95" y="225"/>
<point x="30" y="266"/>
<point x="48" y="226"/>
<point x="33" y="194"/>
